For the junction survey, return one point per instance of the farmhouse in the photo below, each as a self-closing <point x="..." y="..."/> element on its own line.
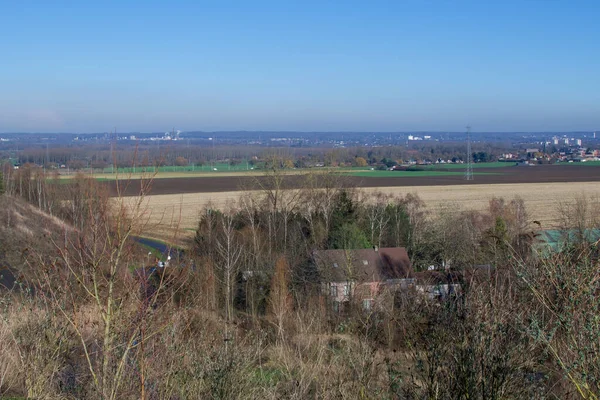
<point x="360" y="275"/>
<point x="439" y="285"/>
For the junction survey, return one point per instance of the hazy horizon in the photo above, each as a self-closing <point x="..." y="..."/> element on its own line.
<point x="197" y="131"/>
<point x="427" y="66"/>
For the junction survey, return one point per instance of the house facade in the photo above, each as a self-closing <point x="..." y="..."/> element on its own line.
<point x="360" y="275"/>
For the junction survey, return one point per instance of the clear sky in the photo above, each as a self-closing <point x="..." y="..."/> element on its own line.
<point x="89" y="66"/>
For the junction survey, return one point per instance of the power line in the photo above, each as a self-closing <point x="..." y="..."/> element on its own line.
<point x="469" y="171"/>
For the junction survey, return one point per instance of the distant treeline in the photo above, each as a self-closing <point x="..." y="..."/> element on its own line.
<point x="180" y="153"/>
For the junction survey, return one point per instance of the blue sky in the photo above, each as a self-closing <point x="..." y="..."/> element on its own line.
<point x="89" y="66"/>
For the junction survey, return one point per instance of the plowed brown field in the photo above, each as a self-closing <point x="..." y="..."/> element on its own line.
<point x="530" y="174"/>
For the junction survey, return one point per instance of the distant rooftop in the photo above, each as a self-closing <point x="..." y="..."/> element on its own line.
<point x="557" y="240"/>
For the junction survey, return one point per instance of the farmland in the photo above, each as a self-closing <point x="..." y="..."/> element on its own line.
<point x="230" y="182"/>
<point x="176" y="202"/>
<point x="541" y="199"/>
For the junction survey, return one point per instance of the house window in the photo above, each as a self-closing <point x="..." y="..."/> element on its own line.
<point x="367" y="304"/>
<point x="333" y="291"/>
<point x="336" y="306"/>
<point x="346" y="290"/>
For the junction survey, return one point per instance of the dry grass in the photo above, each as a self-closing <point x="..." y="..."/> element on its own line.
<point x="541" y="199"/>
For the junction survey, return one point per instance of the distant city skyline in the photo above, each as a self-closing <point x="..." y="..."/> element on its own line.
<point x="148" y="66"/>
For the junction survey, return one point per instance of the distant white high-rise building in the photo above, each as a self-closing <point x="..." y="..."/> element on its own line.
<point x="578" y="141"/>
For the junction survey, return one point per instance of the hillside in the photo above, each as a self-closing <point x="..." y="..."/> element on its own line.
<point x="24" y="227"/>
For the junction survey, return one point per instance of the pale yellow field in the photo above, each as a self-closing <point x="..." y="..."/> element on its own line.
<point x="541" y="199"/>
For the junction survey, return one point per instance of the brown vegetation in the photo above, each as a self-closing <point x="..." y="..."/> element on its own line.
<point x="244" y="314"/>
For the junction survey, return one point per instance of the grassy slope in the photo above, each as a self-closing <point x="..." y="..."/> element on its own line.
<point x="220" y="167"/>
<point x="475" y="165"/>
<point x="414" y="174"/>
<point x="363" y="172"/>
<point x="583" y="164"/>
